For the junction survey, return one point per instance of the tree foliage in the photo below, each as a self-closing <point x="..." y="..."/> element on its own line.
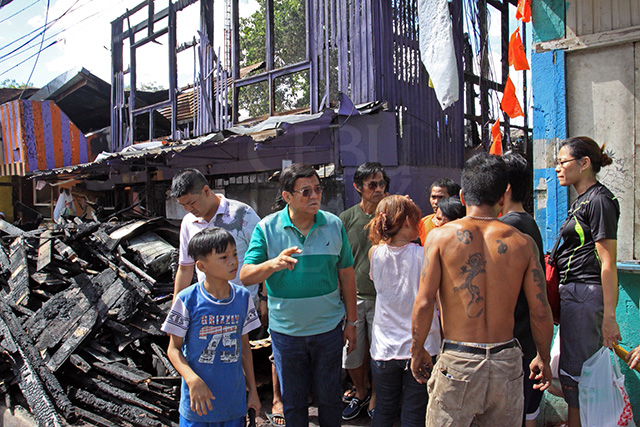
<point x="290" y="91"/>
<point x="12" y="84"/>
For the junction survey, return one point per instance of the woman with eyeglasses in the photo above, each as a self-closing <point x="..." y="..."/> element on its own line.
<point x="586" y="261"/>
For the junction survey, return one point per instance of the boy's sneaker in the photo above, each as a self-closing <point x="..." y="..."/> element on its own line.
<point x="354" y="407"/>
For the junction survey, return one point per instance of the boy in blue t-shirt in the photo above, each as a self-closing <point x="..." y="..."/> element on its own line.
<point x="209" y="346"/>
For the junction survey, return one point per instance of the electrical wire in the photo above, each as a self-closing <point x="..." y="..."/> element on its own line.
<point x="10" y="55"/>
<point x="46" y="18"/>
<point x="92" y="16"/>
<point x="26" y="59"/>
<point x="42" y="28"/>
<point x="20" y="11"/>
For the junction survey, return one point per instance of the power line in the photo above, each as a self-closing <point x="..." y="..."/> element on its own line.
<point x="20" y="11"/>
<point x="43" y="28"/>
<point x="25" y="60"/>
<point x="46" y="18"/>
<point x="2" y="59"/>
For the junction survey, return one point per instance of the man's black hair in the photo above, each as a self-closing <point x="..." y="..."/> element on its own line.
<point x="484" y="179"/>
<point x="293" y="172"/>
<point x="210" y="240"/>
<point x="368" y="169"/>
<point x="452" y="208"/>
<point x="450" y="185"/>
<point x="188" y="181"/>
<point x="520" y="176"/>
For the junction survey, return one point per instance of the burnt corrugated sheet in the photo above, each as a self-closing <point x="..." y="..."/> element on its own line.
<point x="375" y="46"/>
<point x="427" y="134"/>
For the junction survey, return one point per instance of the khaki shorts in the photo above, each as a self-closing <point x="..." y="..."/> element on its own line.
<point x="366" y="310"/>
<point x="465" y="385"/>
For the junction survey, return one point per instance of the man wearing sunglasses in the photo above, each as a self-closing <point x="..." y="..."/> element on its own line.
<point x="303" y="255"/>
<point x="372" y="184"/>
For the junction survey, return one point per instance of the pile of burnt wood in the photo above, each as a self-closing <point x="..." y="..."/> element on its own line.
<point x="81" y="305"/>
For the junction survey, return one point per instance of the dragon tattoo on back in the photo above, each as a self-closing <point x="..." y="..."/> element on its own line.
<point x="473" y="267"/>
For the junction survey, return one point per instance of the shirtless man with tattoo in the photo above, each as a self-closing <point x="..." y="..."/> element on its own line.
<point x="478" y="265"/>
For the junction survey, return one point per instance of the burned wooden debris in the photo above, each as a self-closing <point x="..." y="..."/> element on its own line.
<point x="81" y="305"/>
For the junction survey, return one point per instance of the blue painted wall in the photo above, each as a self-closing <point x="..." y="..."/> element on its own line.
<point x="629" y="322"/>
<point x="549" y="128"/>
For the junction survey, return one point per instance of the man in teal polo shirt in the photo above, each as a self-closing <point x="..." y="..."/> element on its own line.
<point x="303" y="256"/>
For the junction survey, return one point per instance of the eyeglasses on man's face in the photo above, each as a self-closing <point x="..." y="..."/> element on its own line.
<point x="307" y="191"/>
<point x="373" y="185"/>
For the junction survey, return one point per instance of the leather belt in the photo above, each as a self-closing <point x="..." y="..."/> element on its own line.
<point x="478" y="350"/>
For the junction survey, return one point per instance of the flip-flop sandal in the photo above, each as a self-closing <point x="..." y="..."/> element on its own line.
<point x="273" y="417"/>
<point x="349" y="395"/>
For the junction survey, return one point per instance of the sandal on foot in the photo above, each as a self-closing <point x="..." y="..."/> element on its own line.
<point x="349" y="394"/>
<point x="276" y="420"/>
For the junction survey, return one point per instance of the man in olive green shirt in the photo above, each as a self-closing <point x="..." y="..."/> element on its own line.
<point x="372" y="183"/>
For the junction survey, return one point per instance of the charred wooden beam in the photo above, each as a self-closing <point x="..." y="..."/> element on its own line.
<point x="19" y="280"/>
<point x="95" y="420"/>
<point x="115" y="392"/>
<point x="44" y="251"/>
<point x="140" y="272"/>
<point x="119" y="296"/>
<point x="10" y="229"/>
<point x="34" y="362"/>
<point x="164" y="359"/>
<point x="80" y="363"/>
<point x="123" y="372"/>
<point x="68" y="253"/>
<point x="135" y="416"/>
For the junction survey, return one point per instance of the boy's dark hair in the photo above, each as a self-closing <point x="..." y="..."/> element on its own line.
<point x="188" y="181"/>
<point x="452" y="208"/>
<point x="453" y="189"/>
<point x="520" y="176"/>
<point x="210" y="240"/>
<point x="293" y="172"/>
<point x="369" y="169"/>
<point x="484" y="179"/>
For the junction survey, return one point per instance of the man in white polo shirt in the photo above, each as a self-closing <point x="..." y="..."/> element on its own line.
<point x="207" y="209"/>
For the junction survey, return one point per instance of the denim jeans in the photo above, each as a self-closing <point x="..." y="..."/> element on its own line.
<point x="311" y="362"/>
<point x="397" y="391"/>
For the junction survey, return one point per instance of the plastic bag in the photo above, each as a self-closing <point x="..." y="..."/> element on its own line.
<point x="555" y="356"/>
<point x="64" y="206"/>
<point x="604" y="400"/>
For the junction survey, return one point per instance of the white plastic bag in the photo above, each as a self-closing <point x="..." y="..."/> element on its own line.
<point x="604" y="400"/>
<point x="64" y="206"/>
<point x="555" y="356"/>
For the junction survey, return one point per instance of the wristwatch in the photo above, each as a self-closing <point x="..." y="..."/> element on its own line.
<point x="352" y="323"/>
<point x="262" y="297"/>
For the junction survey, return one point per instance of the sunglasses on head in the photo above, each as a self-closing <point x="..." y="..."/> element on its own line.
<point x="372" y="185"/>
<point x="306" y="192"/>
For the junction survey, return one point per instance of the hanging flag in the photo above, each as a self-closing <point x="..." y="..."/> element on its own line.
<point x="496" y="136"/>
<point x="523" y="12"/>
<point x="436" y="49"/>
<point x="510" y="103"/>
<point x="517" y="55"/>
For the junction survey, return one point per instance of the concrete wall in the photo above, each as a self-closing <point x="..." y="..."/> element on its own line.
<point x="601" y="95"/>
